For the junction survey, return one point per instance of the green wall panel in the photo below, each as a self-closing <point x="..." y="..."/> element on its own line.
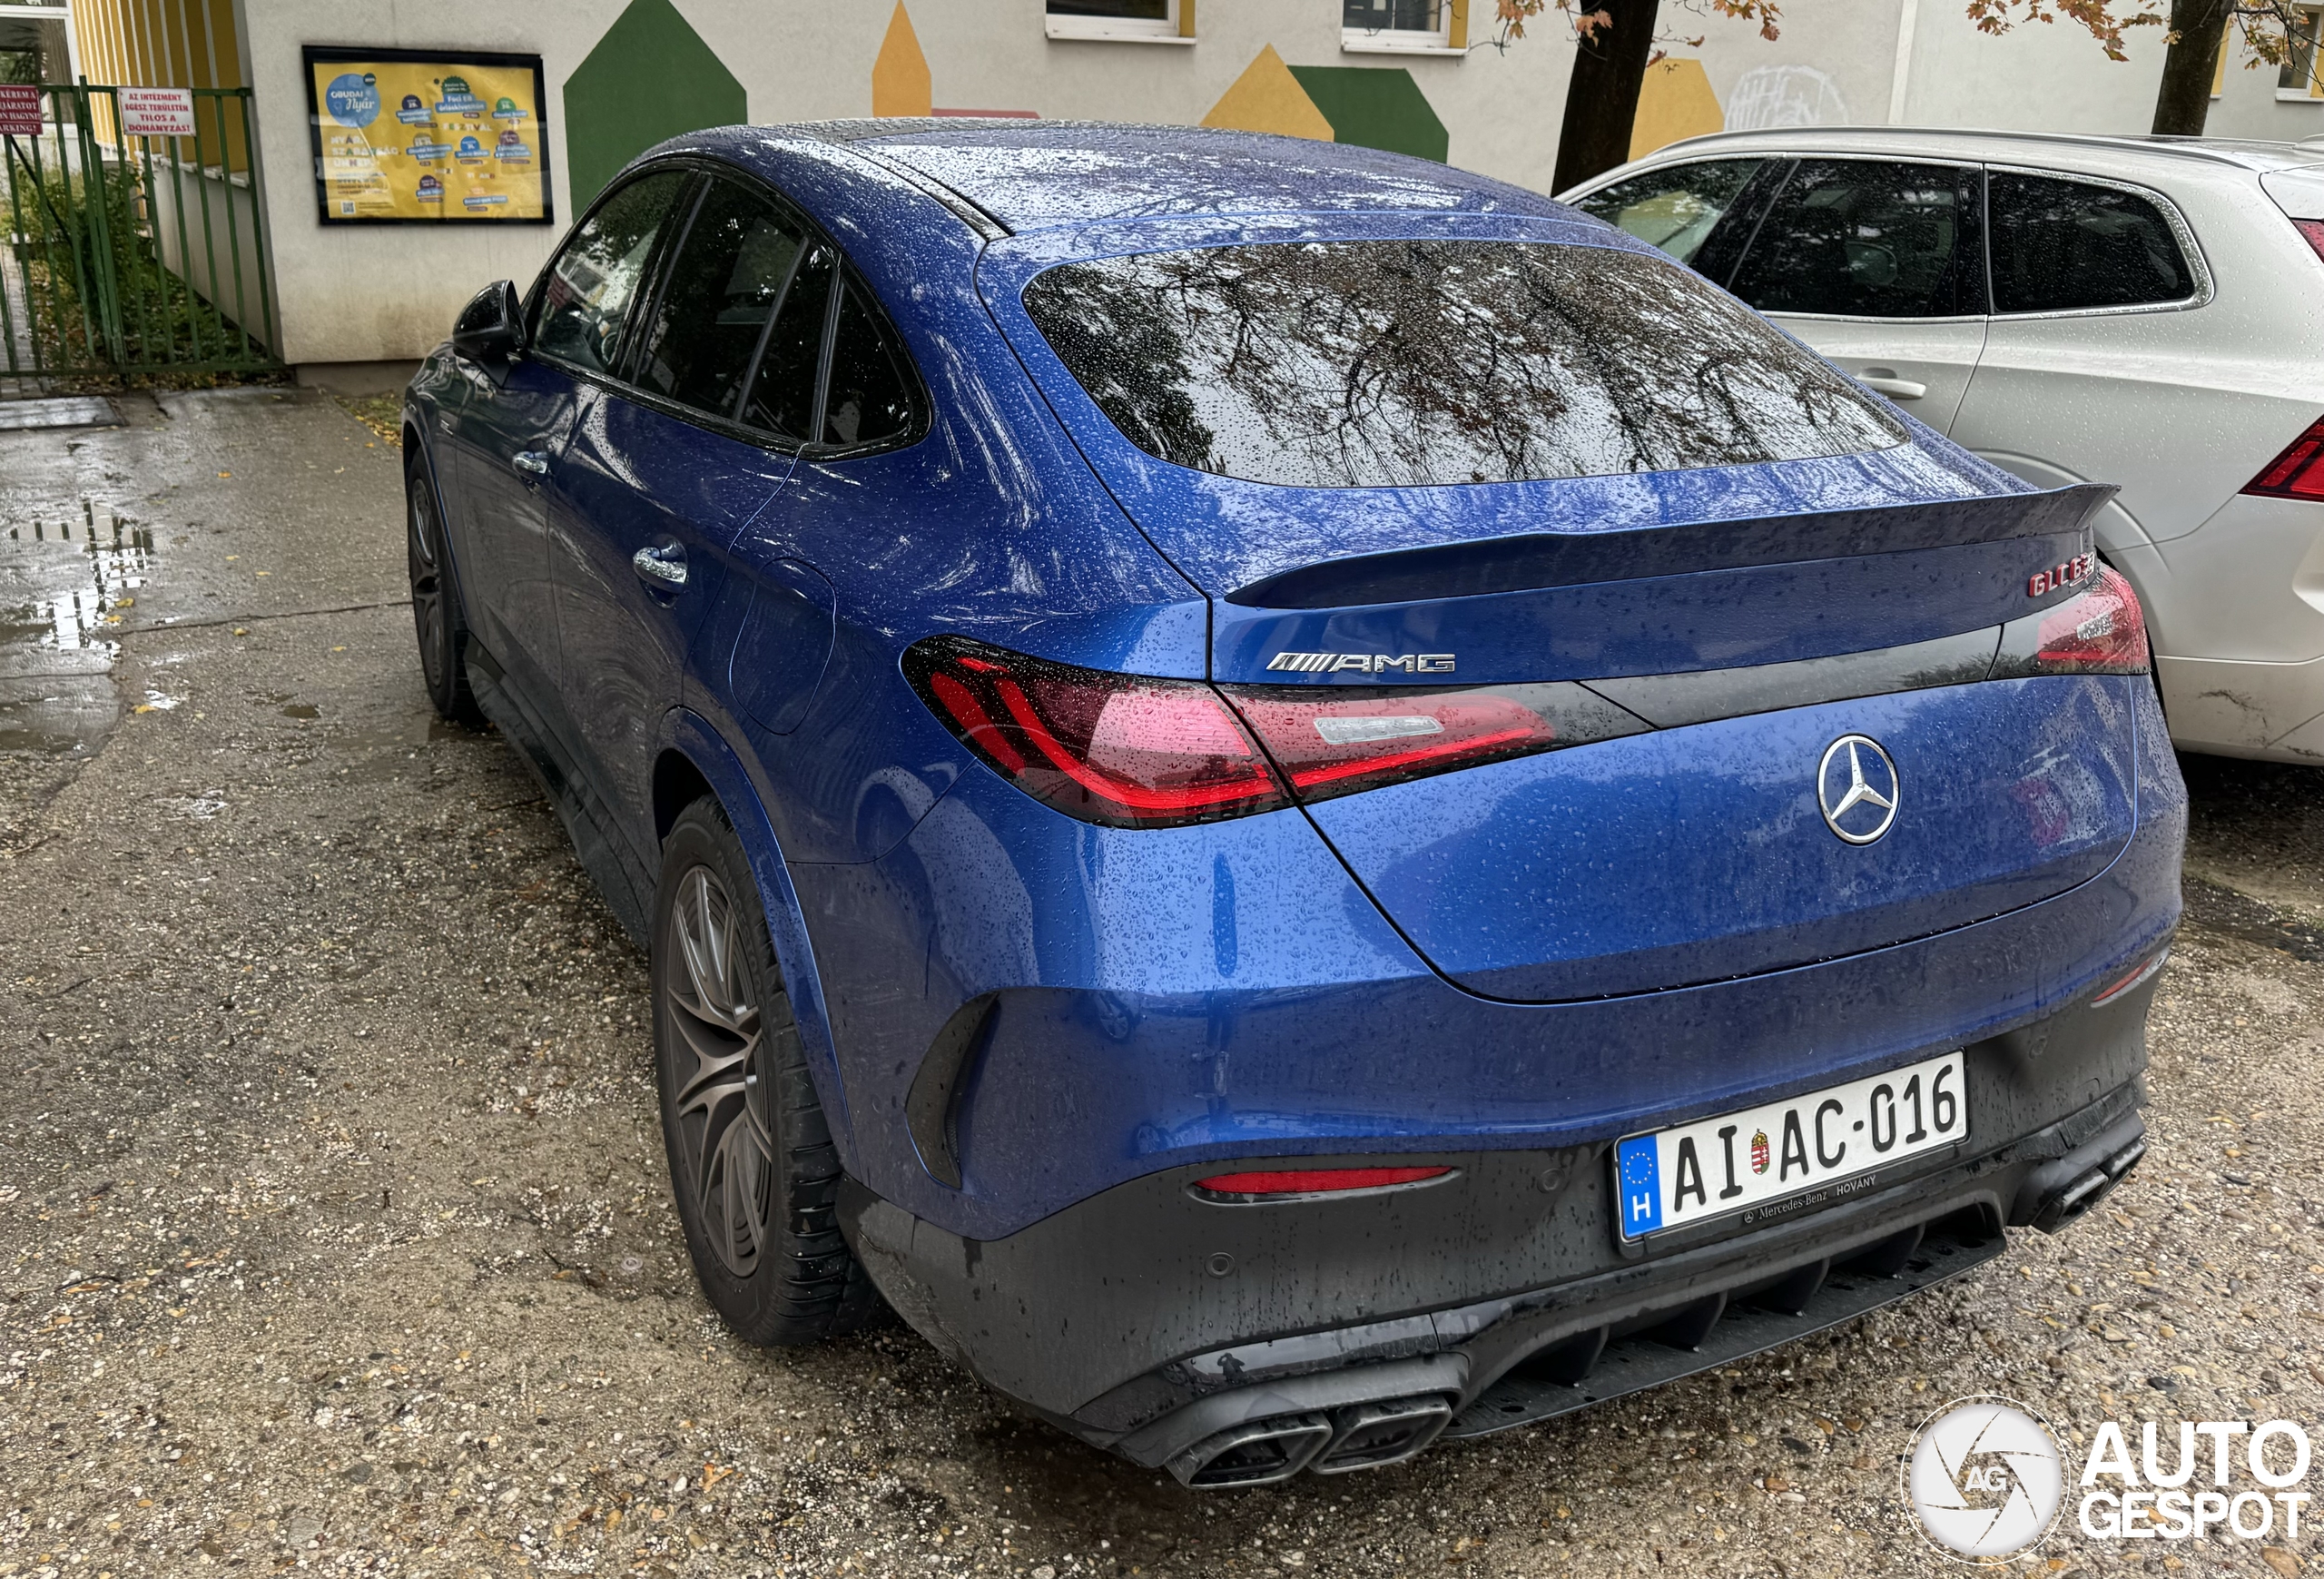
<point x="650" y="77"/>
<point x="1375" y="107"/>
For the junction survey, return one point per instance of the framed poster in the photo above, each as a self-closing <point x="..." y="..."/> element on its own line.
<point x="407" y="136"/>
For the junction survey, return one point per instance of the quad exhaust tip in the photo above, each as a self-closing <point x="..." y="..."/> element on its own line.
<point x="1359" y="1436"/>
<point x="2065" y="1202"/>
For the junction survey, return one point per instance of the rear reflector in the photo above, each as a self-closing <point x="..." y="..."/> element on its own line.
<point x="2313" y="230"/>
<point x="2102" y="632"/>
<point x="2138" y="973"/>
<point x="2298" y="472"/>
<point x="1117" y="749"/>
<point x="1315" y="1180"/>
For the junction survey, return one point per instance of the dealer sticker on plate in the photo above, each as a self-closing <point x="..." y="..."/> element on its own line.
<point x="1788" y="1155"/>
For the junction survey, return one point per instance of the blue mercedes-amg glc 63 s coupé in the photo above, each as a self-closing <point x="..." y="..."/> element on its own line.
<point x="1297" y="801"/>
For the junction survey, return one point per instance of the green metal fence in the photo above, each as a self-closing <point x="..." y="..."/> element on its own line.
<point x="134" y="255"/>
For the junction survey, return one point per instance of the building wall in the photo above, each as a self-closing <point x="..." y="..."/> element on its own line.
<point x="1917" y="62"/>
<point x="620" y="73"/>
<point x="2252" y="103"/>
<point x="364" y="294"/>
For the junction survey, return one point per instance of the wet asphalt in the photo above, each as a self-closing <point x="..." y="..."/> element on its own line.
<point x="334" y="1233"/>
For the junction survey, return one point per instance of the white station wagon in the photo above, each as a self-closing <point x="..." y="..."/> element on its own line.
<point x="2144" y="312"/>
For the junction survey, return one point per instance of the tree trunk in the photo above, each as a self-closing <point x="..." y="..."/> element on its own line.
<point x="1601" y="99"/>
<point x="2198" y="29"/>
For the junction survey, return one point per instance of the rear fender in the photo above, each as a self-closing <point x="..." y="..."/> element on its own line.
<point x="691" y="736"/>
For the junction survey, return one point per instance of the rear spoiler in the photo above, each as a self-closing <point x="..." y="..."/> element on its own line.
<point x="2300" y="191"/>
<point x="1540" y="559"/>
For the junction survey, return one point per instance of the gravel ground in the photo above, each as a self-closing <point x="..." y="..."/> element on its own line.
<point x="334" y="1232"/>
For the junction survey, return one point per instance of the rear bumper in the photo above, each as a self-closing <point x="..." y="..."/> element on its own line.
<point x="2236" y="609"/>
<point x="1159" y="1325"/>
<point x="2269" y="712"/>
<point x="1133" y="1004"/>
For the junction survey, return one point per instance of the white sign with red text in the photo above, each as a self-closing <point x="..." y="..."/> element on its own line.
<point x="157" y="112"/>
<point x="19" y="109"/>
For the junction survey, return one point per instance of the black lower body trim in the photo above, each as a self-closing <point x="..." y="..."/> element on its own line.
<point x="1595" y="1366"/>
<point x="626" y="885"/>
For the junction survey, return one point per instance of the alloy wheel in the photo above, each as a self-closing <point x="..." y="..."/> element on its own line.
<point x="725" y="1132"/>
<point x="427" y="589"/>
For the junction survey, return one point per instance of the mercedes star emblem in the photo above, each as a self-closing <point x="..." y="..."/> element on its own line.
<point x="1856" y="788"/>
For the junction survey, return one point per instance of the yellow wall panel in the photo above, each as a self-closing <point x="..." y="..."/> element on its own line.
<point x="1674" y="102"/>
<point x="1268" y="98"/>
<point x="900" y="80"/>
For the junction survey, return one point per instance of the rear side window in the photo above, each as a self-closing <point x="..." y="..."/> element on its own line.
<point x="870" y="394"/>
<point x="783" y="394"/>
<point x="2064" y="246"/>
<point x="584" y="300"/>
<point x="1383" y="364"/>
<point x="720" y="292"/>
<point x="1868" y="238"/>
<point x="1673" y="209"/>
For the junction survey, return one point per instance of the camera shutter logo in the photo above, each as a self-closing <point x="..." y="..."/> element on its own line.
<point x="1984" y="1478"/>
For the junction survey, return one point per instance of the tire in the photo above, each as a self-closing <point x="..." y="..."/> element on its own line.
<point x="437" y="616"/>
<point x="751" y="1159"/>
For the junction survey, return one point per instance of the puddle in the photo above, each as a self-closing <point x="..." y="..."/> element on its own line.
<point x="56" y="713"/>
<point x="76" y="600"/>
<point x="63" y="600"/>
<point x="65" y="411"/>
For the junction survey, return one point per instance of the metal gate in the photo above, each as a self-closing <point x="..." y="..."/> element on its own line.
<point x="134" y="255"/>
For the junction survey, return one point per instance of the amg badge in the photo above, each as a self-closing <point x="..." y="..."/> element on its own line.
<point x="2044" y="582"/>
<point x="1362" y="663"/>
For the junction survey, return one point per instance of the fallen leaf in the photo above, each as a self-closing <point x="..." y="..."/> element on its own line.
<point x="2282" y="1561"/>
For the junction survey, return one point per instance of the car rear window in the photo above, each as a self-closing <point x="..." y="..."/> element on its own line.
<point x="1396" y="363"/>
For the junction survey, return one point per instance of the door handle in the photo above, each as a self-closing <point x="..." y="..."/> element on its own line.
<point x="663" y="566"/>
<point x="531" y="460"/>
<point x="1883" y="382"/>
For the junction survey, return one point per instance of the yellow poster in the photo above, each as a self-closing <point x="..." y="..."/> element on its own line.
<point x="406" y="137"/>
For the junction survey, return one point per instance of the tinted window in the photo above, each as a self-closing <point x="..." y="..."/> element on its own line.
<point x="2060" y="245"/>
<point x="2298" y="72"/>
<point x="871" y="394"/>
<point x="585" y="297"/>
<point x="783" y="394"/>
<point x="718" y="294"/>
<point x="1340" y="364"/>
<point x="1405" y="16"/>
<point x="1672" y="209"/>
<point x="1867" y="238"/>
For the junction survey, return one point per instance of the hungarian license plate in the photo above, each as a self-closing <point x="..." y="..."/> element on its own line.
<point x="1788" y="1156"/>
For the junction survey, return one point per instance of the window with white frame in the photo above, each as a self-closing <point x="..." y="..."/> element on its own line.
<point x="1436" y="26"/>
<point x="2298" y="78"/>
<point x="1123" y="21"/>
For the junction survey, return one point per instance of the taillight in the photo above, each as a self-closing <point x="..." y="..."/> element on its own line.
<point x="1329" y="743"/>
<point x="1116" y="749"/>
<point x="1134" y="752"/>
<point x="2313" y="230"/>
<point x="2298" y="472"/>
<point x="2102" y="632"/>
<point x="1286" y="1183"/>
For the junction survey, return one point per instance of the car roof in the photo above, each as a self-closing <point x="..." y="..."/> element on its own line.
<point x="1023" y="174"/>
<point x="2092" y="152"/>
